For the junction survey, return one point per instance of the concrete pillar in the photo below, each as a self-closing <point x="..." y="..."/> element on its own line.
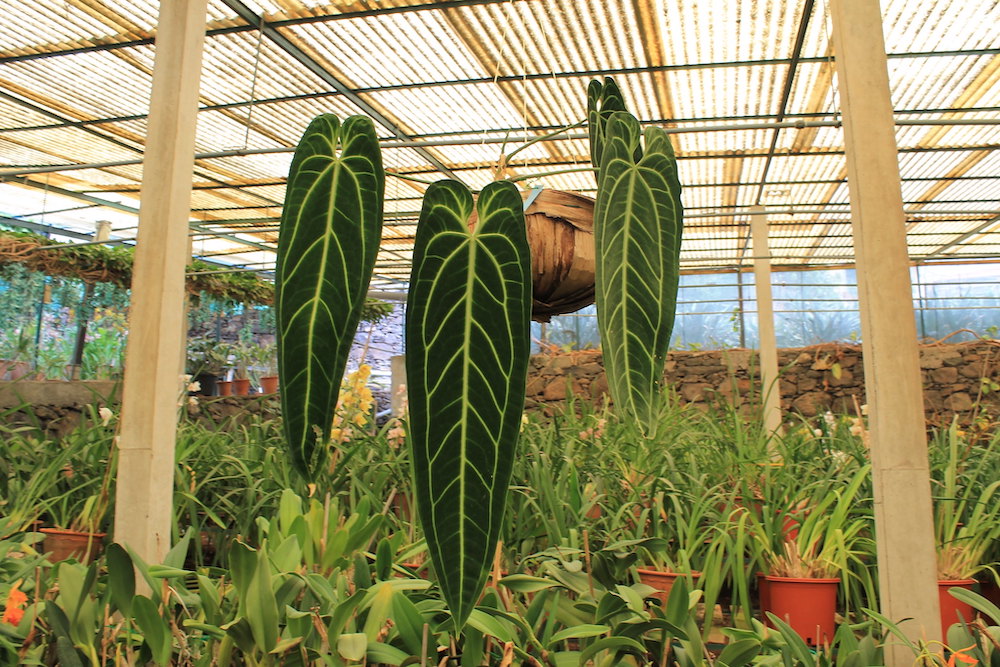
<point x="903" y="514"/>
<point x="768" y="344"/>
<point x="144" y="496"/>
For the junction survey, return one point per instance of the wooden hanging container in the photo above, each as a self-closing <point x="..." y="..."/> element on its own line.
<point x="560" y="227"/>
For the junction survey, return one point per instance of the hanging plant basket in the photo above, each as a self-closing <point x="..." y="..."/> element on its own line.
<point x="560" y="227"/>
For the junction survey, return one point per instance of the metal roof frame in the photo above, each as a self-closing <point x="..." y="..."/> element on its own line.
<point x="753" y="112"/>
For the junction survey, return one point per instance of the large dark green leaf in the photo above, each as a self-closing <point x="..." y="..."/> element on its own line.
<point x="603" y="99"/>
<point x="637" y="233"/>
<point x="466" y="363"/>
<point x="331" y="225"/>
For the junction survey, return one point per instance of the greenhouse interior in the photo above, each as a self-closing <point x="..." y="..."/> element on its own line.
<point x="500" y="332"/>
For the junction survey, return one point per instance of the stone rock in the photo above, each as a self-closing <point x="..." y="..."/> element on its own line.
<point x="694" y="392"/>
<point x="555" y="390"/>
<point x="589" y="369"/>
<point x="958" y="402"/>
<point x="944" y="375"/>
<point x="536" y="385"/>
<point x="807" y="384"/>
<point x="737" y="360"/>
<point x="599" y="386"/>
<point x="932" y="357"/>
<point x="812" y="403"/>
<point x="846" y="378"/>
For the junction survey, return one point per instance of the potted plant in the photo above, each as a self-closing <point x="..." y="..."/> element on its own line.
<point x="244" y="355"/>
<point x="692" y="544"/>
<point x="206" y="360"/>
<point x="79" y="510"/>
<point x="966" y="522"/>
<point x="267" y="358"/>
<point x="805" y="572"/>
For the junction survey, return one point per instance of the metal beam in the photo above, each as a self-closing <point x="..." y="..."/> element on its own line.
<point x="961" y="239"/>
<point x="228" y="30"/>
<point x="418" y="145"/>
<point x="314" y="67"/>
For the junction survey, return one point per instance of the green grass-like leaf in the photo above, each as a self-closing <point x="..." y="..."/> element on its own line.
<point x="331" y="225"/>
<point x="637" y="233"/>
<point x="466" y="362"/>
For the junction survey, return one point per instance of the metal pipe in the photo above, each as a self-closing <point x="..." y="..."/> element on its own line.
<point x="419" y="143"/>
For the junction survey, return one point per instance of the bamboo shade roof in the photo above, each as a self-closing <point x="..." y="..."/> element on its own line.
<point x="748" y="90"/>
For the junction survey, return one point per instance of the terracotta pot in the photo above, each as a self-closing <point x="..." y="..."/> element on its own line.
<point x="952" y="607"/>
<point x="807" y="605"/>
<point x="63" y="544"/>
<point x="225" y="387"/>
<point x="269" y="384"/>
<point x="662" y="581"/>
<point x="241" y="386"/>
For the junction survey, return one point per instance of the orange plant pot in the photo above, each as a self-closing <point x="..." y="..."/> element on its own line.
<point x="807" y="605"/>
<point x="952" y="607"/>
<point x="241" y="387"/>
<point x="662" y="581"/>
<point x="225" y="387"/>
<point x="64" y="544"/>
<point x="269" y="384"/>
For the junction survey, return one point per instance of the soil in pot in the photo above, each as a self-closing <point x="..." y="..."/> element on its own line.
<point x="951" y="607"/>
<point x="662" y="581"/>
<point x="63" y="544"/>
<point x="809" y="606"/>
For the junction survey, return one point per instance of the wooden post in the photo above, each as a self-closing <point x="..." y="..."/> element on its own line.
<point x="903" y="514"/>
<point x="768" y="345"/>
<point x="152" y="387"/>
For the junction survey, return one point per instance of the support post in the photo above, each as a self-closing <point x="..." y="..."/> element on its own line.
<point x="144" y="497"/>
<point x="903" y="513"/>
<point x="767" y="341"/>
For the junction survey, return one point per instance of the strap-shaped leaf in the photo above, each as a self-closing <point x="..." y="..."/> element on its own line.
<point x="603" y="99"/>
<point x="467" y="352"/>
<point x="637" y="233"/>
<point x="331" y="225"/>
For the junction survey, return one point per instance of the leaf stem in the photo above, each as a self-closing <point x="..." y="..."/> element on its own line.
<point x="550" y="173"/>
<point x="554" y="133"/>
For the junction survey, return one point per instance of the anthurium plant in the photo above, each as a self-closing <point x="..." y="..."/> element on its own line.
<point x="468" y="308"/>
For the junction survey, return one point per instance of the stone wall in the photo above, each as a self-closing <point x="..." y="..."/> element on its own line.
<point x="58" y="406"/>
<point x="957" y="378"/>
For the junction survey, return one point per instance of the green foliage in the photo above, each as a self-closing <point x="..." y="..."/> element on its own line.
<point x="268" y="570"/>
<point x="637" y="234"/>
<point x="468" y="311"/>
<point x="330" y="232"/>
